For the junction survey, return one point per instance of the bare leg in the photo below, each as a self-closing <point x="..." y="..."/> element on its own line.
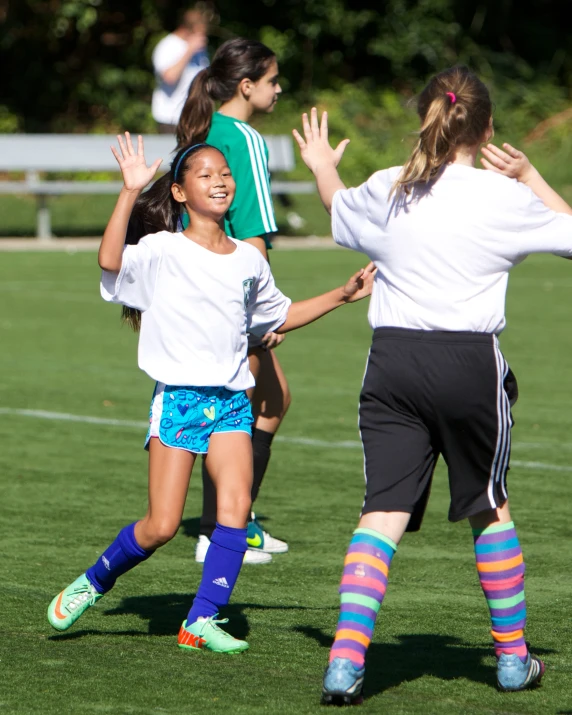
<point x="229" y="462"/>
<point x="389" y="523"/>
<point x="169" y="475"/>
<point x="272" y="397"/>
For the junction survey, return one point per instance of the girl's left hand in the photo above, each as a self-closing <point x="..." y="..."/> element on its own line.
<point x="360" y="284"/>
<point x="136" y="173"/>
<point x="272" y="340"/>
<point x="511" y="162"/>
<point x="316" y="150"/>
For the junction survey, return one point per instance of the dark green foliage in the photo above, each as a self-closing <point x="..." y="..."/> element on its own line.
<point x="84" y="65"/>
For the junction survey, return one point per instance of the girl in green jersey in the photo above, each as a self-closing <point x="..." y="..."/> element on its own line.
<point x="243" y="78"/>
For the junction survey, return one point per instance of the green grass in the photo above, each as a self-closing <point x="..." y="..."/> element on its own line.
<point x="67" y="488"/>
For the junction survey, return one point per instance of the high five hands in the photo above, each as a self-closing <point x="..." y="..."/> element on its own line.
<point x="360" y="284"/>
<point x="136" y="173"/>
<point x="315" y="147"/>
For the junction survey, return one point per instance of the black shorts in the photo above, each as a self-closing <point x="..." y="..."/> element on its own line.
<point x="427" y="393"/>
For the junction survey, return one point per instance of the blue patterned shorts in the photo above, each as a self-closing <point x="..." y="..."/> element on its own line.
<point x="185" y="417"/>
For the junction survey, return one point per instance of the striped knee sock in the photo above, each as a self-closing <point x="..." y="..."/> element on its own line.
<point x="501" y="571"/>
<point x="362" y="590"/>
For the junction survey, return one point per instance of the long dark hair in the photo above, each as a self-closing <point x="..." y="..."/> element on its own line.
<point x="455" y="109"/>
<point x="156" y="210"/>
<point x="234" y="61"/>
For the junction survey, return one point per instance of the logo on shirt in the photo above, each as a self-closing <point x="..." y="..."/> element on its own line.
<point x="247" y="288"/>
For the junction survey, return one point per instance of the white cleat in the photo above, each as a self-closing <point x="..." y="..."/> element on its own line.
<point x="251" y="556"/>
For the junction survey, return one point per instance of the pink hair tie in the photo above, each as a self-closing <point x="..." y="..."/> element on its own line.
<point x="452" y="96"/>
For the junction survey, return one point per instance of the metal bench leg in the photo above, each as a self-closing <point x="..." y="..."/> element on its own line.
<point x="44" y="222"/>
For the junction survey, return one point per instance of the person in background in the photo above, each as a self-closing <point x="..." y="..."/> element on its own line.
<point x="177" y="59"/>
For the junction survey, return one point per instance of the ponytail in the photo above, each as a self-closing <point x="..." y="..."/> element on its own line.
<point x="196" y="117"/>
<point x="455" y="110"/>
<point x="234" y="61"/>
<point x="155" y="210"/>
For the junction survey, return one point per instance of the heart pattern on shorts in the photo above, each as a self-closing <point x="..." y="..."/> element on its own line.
<point x="210" y="413"/>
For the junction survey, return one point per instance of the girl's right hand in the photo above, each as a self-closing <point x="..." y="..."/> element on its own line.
<point x="315" y="149"/>
<point x="136" y="173"/>
<point x="511" y="162"/>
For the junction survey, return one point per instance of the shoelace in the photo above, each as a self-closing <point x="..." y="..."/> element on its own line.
<point x="214" y="621"/>
<point x="83" y="594"/>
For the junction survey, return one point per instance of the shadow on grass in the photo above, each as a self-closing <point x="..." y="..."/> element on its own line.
<point x="166" y="612"/>
<point x="445" y="657"/>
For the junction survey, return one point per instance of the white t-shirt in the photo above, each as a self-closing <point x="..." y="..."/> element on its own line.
<point x="443" y="254"/>
<point x="197" y="308"/>
<point x="168" y="99"/>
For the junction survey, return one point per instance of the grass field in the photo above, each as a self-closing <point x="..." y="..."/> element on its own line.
<point x="67" y="488"/>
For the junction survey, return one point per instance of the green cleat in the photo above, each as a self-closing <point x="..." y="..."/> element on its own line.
<point x="69" y="605"/>
<point x="206" y="634"/>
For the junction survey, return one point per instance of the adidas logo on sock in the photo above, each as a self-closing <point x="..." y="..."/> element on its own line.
<point x="221" y="582"/>
<point x="106" y="563"/>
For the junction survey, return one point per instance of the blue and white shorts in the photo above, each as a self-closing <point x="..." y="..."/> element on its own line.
<point x="185" y="417"/>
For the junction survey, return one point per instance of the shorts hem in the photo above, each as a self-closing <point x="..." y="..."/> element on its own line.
<point x="171" y="446"/>
<point x="407" y="508"/>
<point x="474" y="510"/>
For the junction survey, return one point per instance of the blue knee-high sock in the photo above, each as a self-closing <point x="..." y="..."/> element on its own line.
<point x="220" y="571"/>
<point x="123" y="554"/>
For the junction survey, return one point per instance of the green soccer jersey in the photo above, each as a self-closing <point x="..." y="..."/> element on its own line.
<point x="251" y="213"/>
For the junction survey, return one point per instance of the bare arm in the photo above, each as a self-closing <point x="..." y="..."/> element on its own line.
<point x="320" y="157"/>
<point x="306" y="311"/>
<point x="136" y="175"/>
<point x="516" y="165"/>
<point x="172" y="74"/>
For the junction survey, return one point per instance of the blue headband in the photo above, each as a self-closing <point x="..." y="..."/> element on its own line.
<point x="183" y="155"/>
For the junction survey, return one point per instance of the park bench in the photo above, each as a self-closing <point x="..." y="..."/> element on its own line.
<point x="35" y="154"/>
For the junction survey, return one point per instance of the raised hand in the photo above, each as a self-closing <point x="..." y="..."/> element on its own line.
<point x="360" y="284"/>
<point x="315" y="148"/>
<point x="136" y="173"/>
<point x="511" y="162"/>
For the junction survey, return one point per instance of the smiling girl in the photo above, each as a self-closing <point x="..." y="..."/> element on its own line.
<point x="199" y="294"/>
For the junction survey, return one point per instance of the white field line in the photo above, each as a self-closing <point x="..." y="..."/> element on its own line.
<point x="304" y="441"/>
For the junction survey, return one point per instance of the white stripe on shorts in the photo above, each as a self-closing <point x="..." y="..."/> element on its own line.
<point x="502" y="450"/>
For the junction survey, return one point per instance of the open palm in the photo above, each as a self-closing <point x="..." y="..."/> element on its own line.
<point x="136" y="173"/>
<point x="315" y="148"/>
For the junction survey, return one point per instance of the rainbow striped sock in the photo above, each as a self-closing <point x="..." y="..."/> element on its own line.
<point x="362" y="589"/>
<point x="501" y="571"/>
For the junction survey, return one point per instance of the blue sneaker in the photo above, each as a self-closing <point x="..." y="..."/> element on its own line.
<point x="513" y="674"/>
<point x="343" y="683"/>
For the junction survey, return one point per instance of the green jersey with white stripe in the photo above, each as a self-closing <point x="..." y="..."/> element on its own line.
<point x="251" y="213"/>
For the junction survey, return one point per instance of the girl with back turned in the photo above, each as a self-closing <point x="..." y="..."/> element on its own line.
<point x="444" y="237"/>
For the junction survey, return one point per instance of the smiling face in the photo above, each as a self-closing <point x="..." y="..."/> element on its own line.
<point x="206" y="187"/>
<point x="263" y="94"/>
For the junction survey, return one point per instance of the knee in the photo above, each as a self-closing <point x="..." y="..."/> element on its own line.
<point x="234" y="509"/>
<point x="159" y="532"/>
